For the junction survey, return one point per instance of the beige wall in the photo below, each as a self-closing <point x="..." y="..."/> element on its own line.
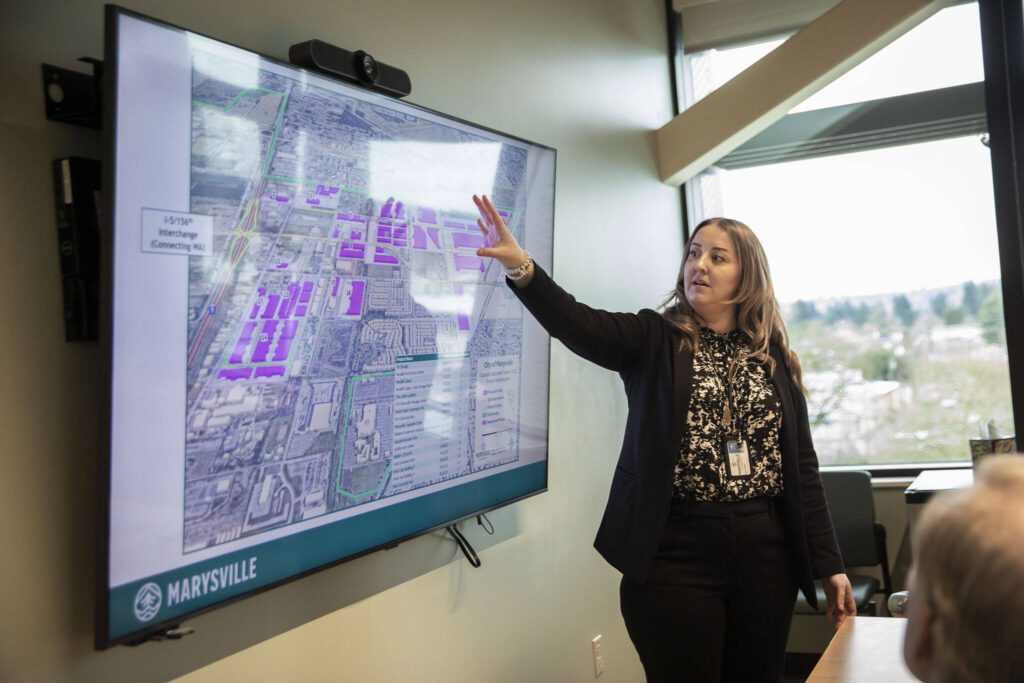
<point x="588" y="77"/>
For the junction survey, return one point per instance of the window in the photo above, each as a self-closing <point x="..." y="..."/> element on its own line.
<point x="887" y="268"/>
<point x="885" y="259"/>
<point x="943" y="51"/>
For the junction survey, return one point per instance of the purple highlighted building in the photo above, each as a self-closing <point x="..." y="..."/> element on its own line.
<point x="463" y="240"/>
<point x="270" y="371"/>
<point x="260" y="293"/>
<point x="243" y="343"/>
<point x="235" y="373"/>
<point x="419" y="238"/>
<point x="385" y="211"/>
<point x="271" y="307"/>
<point x="307" y="291"/>
<point x="432" y="233"/>
<point x="334" y="290"/>
<point x="381" y="256"/>
<point x="281" y="199"/>
<point x="463" y="321"/>
<point x="314" y="202"/>
<point x="352" y="250"/>
<point x="284" y="342"/>
<point x="289" y="303"/>
<point x="355" y="302"/>
<point x="469" y="263"/>
<point x="263" y="347"/>
<point x="281" y="351"/>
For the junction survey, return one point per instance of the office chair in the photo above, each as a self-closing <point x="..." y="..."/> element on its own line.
<point x="861" y="539"/>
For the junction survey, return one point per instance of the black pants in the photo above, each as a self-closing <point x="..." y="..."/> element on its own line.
<point x="719" y="598"/>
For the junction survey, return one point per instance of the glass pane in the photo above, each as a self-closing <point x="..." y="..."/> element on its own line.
<point x="943" y="51"/>
<point x="887" y="267"/>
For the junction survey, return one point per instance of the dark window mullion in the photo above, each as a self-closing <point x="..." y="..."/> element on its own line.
<point x="1002" y="39"/>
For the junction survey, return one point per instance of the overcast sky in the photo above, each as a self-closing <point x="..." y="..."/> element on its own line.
<point x="898" y="219"/>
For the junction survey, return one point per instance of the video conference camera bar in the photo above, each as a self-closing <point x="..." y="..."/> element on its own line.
<point x="355" y="67"/>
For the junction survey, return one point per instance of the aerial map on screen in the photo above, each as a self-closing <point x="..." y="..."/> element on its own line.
<point x="345" y="343"/>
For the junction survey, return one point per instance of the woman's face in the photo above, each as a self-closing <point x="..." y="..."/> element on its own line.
<point x="711" y="270"/>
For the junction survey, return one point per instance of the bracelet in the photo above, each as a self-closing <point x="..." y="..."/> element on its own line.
<point x="520" y="271"/>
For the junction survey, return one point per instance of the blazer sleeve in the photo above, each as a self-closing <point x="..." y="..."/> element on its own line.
<point x="611" y="340"/>
<point x="826" y="558"/>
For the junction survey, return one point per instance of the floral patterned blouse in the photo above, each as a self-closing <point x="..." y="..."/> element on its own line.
<point x="700" y="472"/>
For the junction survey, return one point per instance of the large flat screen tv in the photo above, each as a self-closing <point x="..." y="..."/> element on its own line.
<point x="308" y="361"/>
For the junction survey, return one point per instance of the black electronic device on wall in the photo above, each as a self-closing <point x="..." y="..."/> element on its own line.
<point x="355" y="67"/>
<point x="76" y="185"/>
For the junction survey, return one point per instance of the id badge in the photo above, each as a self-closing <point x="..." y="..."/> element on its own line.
<point x="737" y="458"/>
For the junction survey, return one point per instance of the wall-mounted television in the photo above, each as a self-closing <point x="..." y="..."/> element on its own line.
<point x="307" y="360"/>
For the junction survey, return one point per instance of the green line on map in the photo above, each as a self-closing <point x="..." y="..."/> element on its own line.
<point x="344" y="439"/>
<point x="273" y="143"/>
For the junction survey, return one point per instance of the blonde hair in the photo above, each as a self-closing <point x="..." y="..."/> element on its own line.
<point x="969" y="567"/>
<point x="757" y="314"/>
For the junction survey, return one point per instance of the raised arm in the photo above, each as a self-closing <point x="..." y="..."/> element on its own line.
<point x="612" y="340"/>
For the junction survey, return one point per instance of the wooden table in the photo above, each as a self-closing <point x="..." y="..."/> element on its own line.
<point x="865" y="649"/>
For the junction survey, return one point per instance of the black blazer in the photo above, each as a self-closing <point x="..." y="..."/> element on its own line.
<point x="644" y="349"/>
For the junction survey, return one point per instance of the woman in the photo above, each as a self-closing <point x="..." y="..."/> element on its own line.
<point x="716" y="512"/>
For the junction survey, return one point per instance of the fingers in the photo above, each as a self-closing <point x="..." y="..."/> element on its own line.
<point x="482" y="209"/>
<point x="492" y="213"/>
<point x="494" y="218"/>
<point x="487" y="211"/>
<point x="485" y="231"/>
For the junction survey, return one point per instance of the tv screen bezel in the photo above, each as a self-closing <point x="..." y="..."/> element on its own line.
<point x="103" y="640"/>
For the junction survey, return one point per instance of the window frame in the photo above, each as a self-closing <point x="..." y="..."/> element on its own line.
<point x="985" y="107"/>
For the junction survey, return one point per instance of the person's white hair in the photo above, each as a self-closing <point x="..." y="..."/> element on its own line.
<point x="969" y="567"/>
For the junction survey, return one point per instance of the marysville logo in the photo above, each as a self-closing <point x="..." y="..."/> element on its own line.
<point x="147" y="602"/>
<point x="150" y="598"/>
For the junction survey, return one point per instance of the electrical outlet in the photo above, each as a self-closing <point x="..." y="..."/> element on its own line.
<point x="595" y="645"/>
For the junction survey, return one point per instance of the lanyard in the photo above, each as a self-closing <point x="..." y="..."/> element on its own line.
<point x="728" y="406"/>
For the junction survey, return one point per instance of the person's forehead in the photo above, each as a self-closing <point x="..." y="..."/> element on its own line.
<point x="713" y="237"/>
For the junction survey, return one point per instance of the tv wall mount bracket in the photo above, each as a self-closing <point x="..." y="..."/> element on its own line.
<point x="76" y="98"/>
<point x="72" y="96"/>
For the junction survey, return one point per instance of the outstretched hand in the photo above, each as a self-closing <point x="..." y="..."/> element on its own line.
<point x="501" y="244"/>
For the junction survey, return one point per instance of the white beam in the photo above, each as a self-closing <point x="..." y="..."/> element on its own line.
<point x="731" y="22"/>
<point x="839" y="40"/>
